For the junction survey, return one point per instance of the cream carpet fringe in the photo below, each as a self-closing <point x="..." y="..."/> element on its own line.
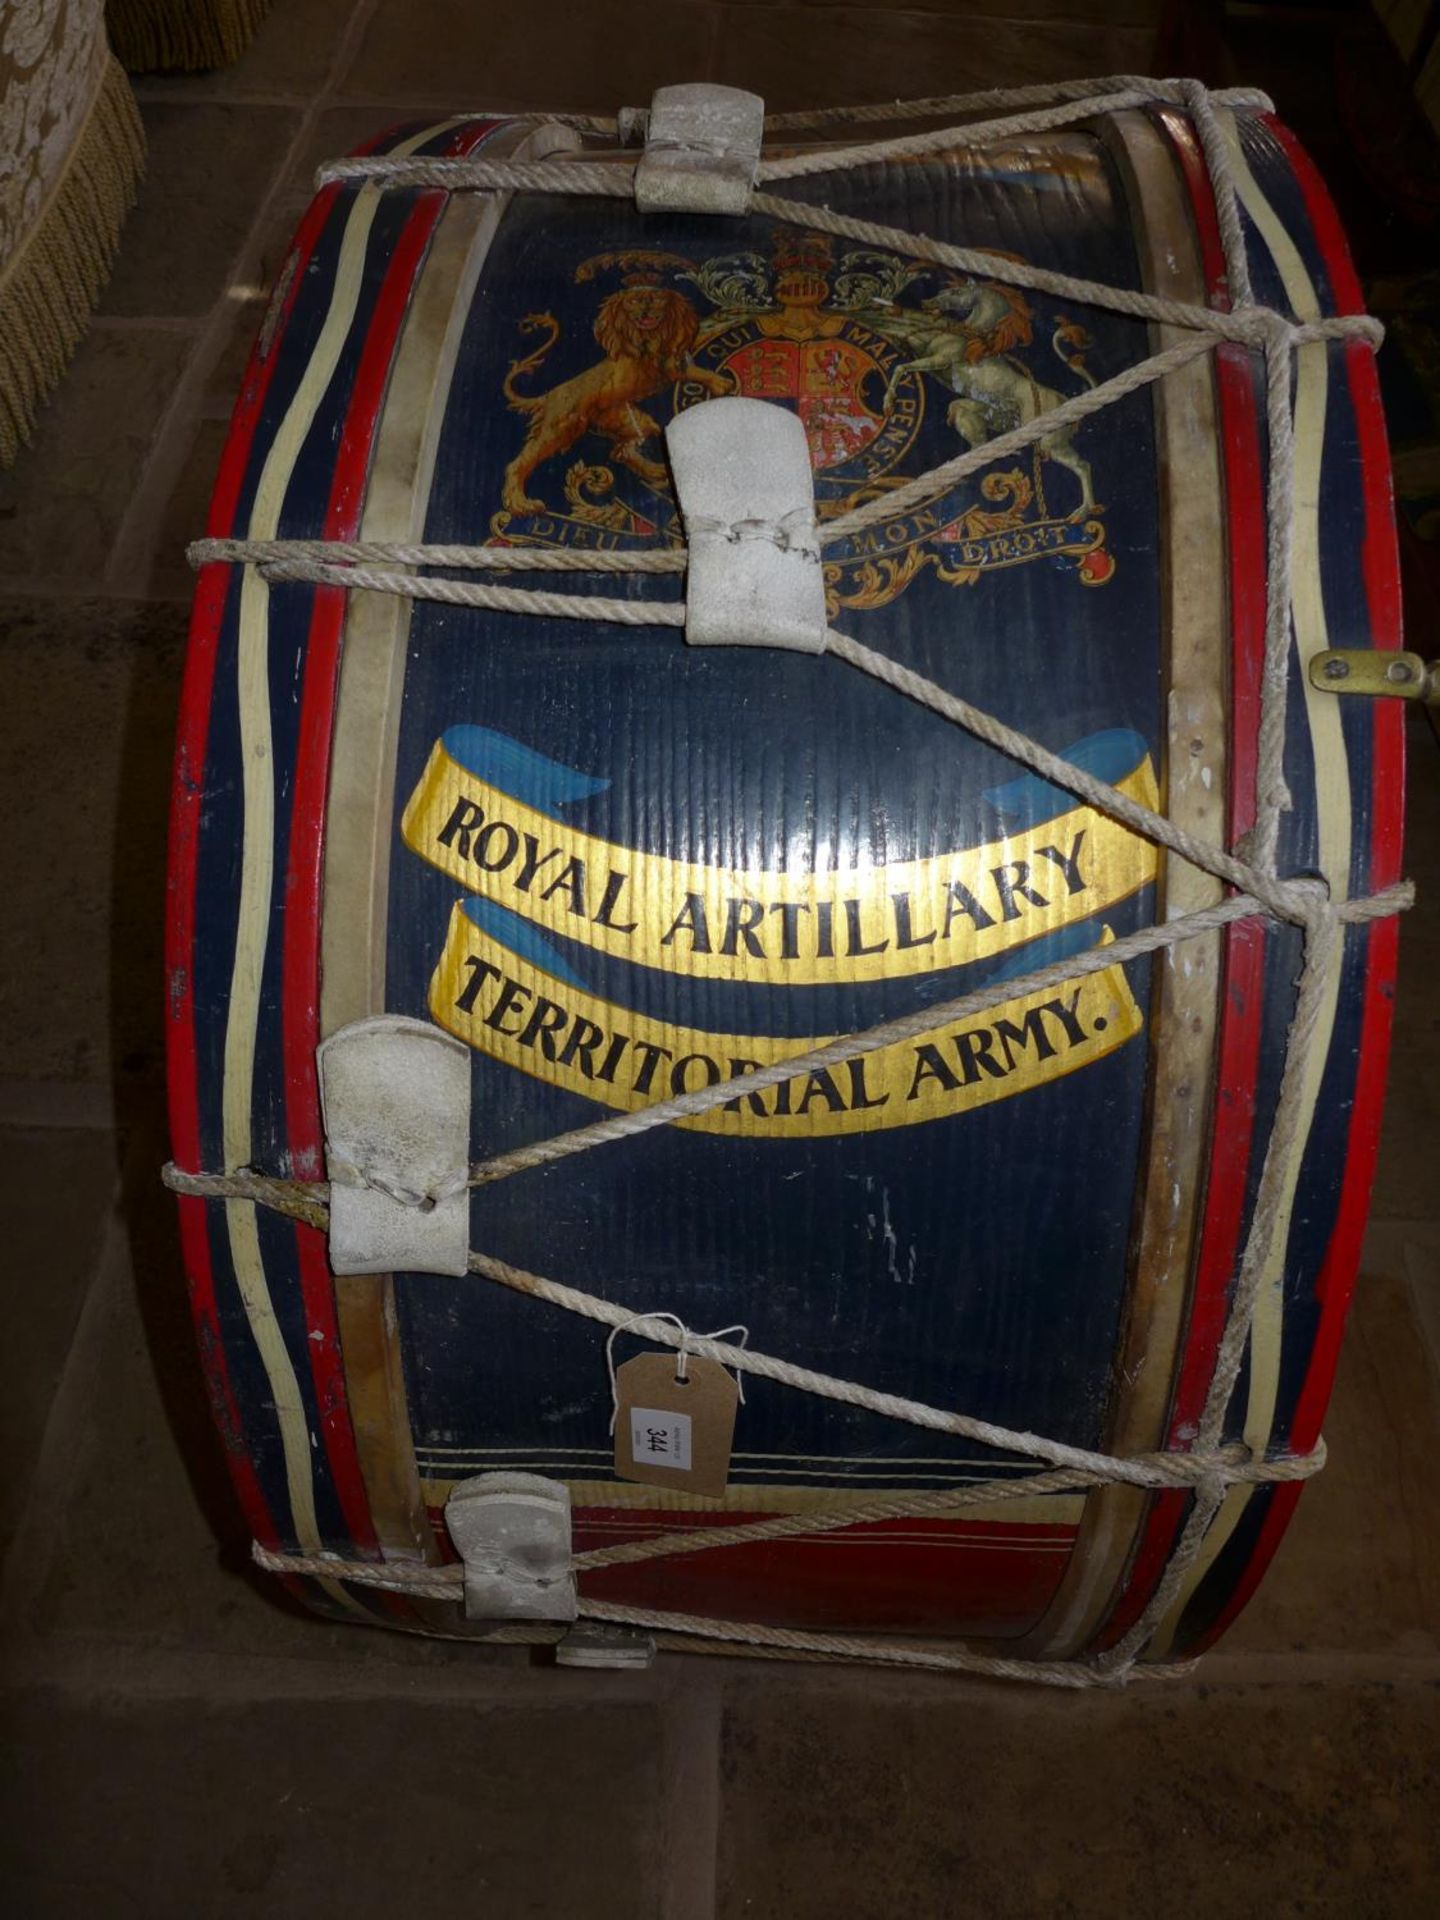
<point x="151" y="36"/>
<point x="49" y="286"/>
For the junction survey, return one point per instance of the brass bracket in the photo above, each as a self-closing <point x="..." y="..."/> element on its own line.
<point x="1378" y="672"/>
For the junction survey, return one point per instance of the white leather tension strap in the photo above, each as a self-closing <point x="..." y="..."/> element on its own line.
<point x="747" y="493"/>
<point x="702" y="149"/>
<point x="395" y="1094"/>
<point x="512" y="1530"/>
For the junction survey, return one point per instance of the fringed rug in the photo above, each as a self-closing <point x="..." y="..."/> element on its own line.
<point x="69" y="123"/>
<point x="152" y="36"/>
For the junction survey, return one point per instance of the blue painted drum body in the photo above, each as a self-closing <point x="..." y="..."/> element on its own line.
<point x="618" y="868"/>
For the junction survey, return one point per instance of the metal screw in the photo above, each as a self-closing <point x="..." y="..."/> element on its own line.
<point x="1337" y="669"/>
<point x="1398" y="671"/>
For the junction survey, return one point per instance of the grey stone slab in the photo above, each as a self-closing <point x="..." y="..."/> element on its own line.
<point x="1421" y="1255"/>
<point x="171" y="1809"/>
<point x="598" y="57"/>
<point x="208" y="170"/>
<point x="812" y="56"/>
<point x="245" y="307"/>
<point x="86" y="738"/>
<point x="1358" y="1571"/>
<point x="867" y="1797"/>
<point x="332" y="133"/>
<point x="62" y="504"/>
<point x="133" y="1541"/>
<point x="56" y="1188"/>
<point x="76" y="1105"/>
<point x="133" y="1534"/>
<point x="168" y="574"/>
<point x="1405" y="1184"/>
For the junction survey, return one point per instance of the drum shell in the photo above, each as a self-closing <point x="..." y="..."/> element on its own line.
<point x="831" y="1238"/>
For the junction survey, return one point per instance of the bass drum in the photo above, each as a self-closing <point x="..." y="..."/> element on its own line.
<point x="619" y="868"/>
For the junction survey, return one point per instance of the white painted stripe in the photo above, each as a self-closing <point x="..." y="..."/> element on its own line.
<point x="257" y="870"/>
<point x="1333" y="824"/>
<point x="257" y="874"/>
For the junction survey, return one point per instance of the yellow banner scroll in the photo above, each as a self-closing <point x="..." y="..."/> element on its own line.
<point x="557" y="1032"/>
<point x="784" y="929"/>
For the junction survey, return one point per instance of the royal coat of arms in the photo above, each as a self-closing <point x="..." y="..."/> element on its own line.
<point x="863" y="348"/>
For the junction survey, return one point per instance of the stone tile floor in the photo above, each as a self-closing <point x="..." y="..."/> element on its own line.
<point x="178" y="1743"/>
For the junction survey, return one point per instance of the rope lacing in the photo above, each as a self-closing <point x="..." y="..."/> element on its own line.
<point x="1212" y="1467"/>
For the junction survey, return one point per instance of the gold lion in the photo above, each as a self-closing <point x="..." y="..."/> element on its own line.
<point x="646" y="334"/>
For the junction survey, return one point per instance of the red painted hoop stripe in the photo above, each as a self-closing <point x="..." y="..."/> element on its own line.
<point x="1380" y="569"/>
<point x="300" y="1024"/>
<point x="193" y="725"/>
<point x="304" y="877"/>
<point x="206" y="622"/>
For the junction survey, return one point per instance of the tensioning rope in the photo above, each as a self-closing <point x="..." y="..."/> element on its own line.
<point x="1210" y="1467"/>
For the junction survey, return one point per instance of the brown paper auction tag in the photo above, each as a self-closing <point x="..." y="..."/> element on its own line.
<point x="671" y="1432"/>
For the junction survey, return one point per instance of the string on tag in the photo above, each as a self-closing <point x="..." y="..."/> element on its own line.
<point x="682" y="1352"/>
